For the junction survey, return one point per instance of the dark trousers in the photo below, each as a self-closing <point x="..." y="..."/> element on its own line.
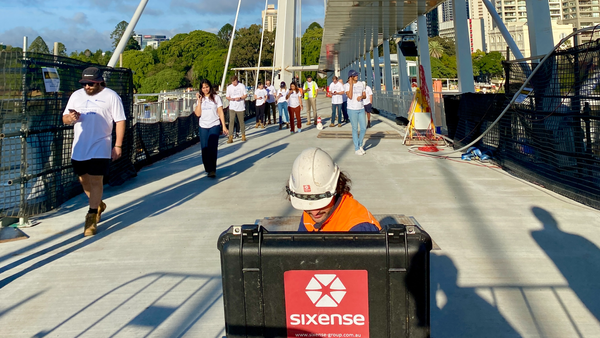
<point x="271" y="108"/>
<point x="260" y="113"/>
<point x="209" y="142"/>
<point x="345" y="110"/>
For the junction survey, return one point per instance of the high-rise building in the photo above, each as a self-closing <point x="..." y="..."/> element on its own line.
<point x="581" y="13"/>
<point x="271" y="18"/>
<point x="433" y="26"/>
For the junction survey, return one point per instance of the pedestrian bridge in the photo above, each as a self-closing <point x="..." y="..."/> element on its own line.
<point x="514" y="259"/>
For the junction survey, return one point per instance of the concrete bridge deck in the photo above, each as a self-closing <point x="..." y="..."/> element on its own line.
<point x="516" y="260"/>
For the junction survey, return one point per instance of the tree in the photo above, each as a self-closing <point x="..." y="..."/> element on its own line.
<point x="435" y="49"/>
<point x="210" y="67"/>
<point x="140" y="63"/>
<point x="311" y="49"/>
<point x="490" y="64"/>
<point x="38" y="46"/>
<point x="446" y="43"/>
<point x="167" y="79"/>
<point x="313" y="26"/>
<point x="247" y="47"/>
<point x="118" y="33"/>
<point x="62" y="50"/>
<point x="224" y="34"/>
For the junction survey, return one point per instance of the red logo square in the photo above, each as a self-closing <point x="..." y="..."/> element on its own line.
<point x="327" y="303"/>
<point x="306" y="188"/>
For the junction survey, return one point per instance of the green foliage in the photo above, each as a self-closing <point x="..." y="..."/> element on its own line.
<point x="62" y="50"/>
<point x="167" y="79"/>
<point x="38" y="46"/>
<point x="447" y="45"/>
<point x="209" y="67"/>
<point x="435" y="49"/>
<point x="311" y="49"/>
<point x="490" y="64"/>
<point x="140" y="63"/>
<point x="313" y="26"/>
<point x="118" y="33"/>
<point x="224" y="34"/>
<point x="441" y="70"/>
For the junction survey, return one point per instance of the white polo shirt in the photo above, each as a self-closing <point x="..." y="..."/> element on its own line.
<point x="93" y="130"/>
<point x="369" y="93"/>
<point x="294" y="100"/>
<point x="357" y="91"/>
<point x="336" y="87"/>
<point x="235" y="92"/>
<point x="260" y="95"/>
<point x="210" y="115"/>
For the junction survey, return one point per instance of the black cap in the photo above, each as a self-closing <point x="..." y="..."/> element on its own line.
<point x="91" y="75"/>
<point x="282" y="84"/>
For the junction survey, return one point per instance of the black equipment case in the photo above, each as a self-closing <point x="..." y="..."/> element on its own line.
<point x="295" y="284"/>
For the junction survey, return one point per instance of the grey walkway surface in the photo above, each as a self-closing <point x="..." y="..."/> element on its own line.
<point x="515" y="259"/>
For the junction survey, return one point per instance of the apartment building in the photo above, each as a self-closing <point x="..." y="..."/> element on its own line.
<point x="271" y="18"/>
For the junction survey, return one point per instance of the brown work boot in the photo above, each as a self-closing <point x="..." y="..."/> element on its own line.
<point x="101" y="209"/>
<point x="262" y="126"/>
<point x="89" y="228"/>
<point x="244" y="138"/>
<point x="256" y="126"/>
<point x="230" y="140"/>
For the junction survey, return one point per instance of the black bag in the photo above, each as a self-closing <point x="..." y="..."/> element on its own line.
<point x="294" y="284"/>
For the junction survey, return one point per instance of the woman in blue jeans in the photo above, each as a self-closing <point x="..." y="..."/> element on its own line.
<point x="282" y="106"/>
<point x="355" y="90"/>
<point x="209" y="109"/>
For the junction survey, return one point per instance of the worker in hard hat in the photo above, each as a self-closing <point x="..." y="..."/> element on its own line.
<point x="322" y="191"/>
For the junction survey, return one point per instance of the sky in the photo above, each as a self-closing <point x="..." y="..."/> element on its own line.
<point x="87" y="24"/>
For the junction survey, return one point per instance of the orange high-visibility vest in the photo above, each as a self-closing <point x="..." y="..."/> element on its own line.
<point x="348" y="214"/>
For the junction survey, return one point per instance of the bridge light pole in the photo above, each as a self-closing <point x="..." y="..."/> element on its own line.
<point x="230" y="46"/>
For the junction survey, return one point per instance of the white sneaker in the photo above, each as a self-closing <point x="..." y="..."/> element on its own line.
<point x="299" y="130"/>
<point x="362" y="150"/>
<point x="359" y="153"/>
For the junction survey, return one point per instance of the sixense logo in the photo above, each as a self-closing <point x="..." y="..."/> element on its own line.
<point x="330" y="301"/>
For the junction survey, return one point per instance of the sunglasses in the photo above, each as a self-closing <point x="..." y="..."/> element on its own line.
<point x="91" y="84"/>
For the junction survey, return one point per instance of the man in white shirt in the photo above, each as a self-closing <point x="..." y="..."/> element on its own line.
<point x="271" y="104"/>
<point x="337" y="90"/>
<point x="310" y="90"/>
<point x="236" y="94"/>
<point x="91" y="111"/>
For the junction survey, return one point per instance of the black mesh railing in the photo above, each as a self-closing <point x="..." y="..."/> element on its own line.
<point x="552" y="138"/>
<point x="35" y="146"/>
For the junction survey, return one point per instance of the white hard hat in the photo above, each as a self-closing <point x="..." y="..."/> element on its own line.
<point x="313" y="180"/>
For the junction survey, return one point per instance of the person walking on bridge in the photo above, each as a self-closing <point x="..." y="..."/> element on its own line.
<point x="282" y="106"/>
<point x="344" y="103"/>
<point x="355" y="90"/>
<point x="236" y="94"/>
<point x="209" y="108"/>
<point x="336" y="89"/>
<point x="294" y="98"/>
<point x="310" y="90"/>
<point x="261" y="99"/>
<point x="271" y="108"/>
<point x="92" y="111"/>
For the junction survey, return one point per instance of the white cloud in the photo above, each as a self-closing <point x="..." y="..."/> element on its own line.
<point x="78" y="18"/>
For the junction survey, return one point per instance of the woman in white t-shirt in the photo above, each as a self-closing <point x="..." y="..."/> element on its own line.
<point x="261" y="98"/>
<point x="209" y="109"/>
<point x="294" y="97"/>
<point x="282" y="106"/>
<point x="355" y="90"/>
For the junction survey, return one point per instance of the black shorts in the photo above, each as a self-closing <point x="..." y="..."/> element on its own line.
<point x="368" y="108"/>
<point x="94" y="167"/>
